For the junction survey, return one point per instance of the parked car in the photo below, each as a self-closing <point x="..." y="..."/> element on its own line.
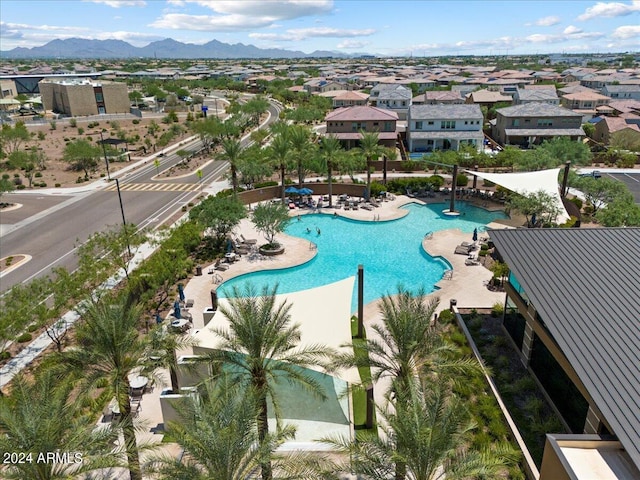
<point x="593" y="173"/>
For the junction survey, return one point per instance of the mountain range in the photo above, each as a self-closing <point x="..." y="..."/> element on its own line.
<point x="80" y="48"/>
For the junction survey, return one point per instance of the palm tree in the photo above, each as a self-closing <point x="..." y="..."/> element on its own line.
<point x="110" y="350"/>
<point x="279" y="151"/>
<point x="231" y="150"/>
<point x="299" y="137"/>
<point x="218" y="434"/>
<point x="370" y="150"/>
<point x="331" y="151"/>
<point x="260" y="348"/>
<point x="43" y="416"/>
<point x="408" y="343"/>
<point x="426" y="438"/>
<point x="161" y="347"/>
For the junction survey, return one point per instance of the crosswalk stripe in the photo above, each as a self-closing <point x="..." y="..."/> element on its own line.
<point x="155" y="187"/>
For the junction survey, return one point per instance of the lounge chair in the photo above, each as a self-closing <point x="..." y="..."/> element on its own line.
<point x="462" y="250"/>
<point x="221" y="266"/>
<point x="471" y="261"/>
<point x="248" y="241"/>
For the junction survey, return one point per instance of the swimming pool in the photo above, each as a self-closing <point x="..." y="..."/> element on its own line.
<point x="391" y="252"/>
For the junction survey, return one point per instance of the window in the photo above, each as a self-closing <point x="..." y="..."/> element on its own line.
<point x="418" y="125"/>
<point x="429" y="123"/>
<point x="515" y="122"/>
<point x="447" y="125"/>
<point x="545" y="122"/>
<point x="388" y="127"/>
<point x="356" y="126"/>
<point x="99" y="97"/>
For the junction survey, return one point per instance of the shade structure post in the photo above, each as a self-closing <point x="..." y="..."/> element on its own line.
<point x="370" y="407"/>
<point x="360" y="301"/>
<point x="565" y="178"/>
<point x="452" y="203"/>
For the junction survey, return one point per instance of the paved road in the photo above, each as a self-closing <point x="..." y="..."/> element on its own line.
<point x="49" y="227"/>
<point x="630" y="179"/>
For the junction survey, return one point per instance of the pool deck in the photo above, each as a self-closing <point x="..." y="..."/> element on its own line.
<point x="465" y="285"/>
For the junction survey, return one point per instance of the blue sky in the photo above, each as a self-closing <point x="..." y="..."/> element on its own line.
<point x="418" y="27"/>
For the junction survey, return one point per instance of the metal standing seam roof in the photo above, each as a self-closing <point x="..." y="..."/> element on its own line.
<point x="585" y="284"/>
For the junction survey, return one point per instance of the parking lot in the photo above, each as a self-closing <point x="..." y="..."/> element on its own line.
<point x="632" y="180"/>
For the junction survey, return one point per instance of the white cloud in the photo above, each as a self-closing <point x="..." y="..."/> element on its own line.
<point x="120" y="3"/>
<point x="547" y="21"/>
<point x="299" y="34"/>
<point x="541" y="38"/>
<point x="570" y="30"/>
<point x="351" y="44"/>
<point x="611" y="9"/>
<point x="627" y="31"/>
<point x="240" y="15"/>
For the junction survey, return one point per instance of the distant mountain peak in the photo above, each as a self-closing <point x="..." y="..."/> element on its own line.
<point x="81" y="48"/>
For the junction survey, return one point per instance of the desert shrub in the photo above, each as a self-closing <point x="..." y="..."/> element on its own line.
<point x="462" y="180"/>
<point x="57" y="185"/>
<point x="38" y="174"/>
<point x="32" y="328"/>
<point x="21" y="187"/>
<point x="5" y="355"/>
<point x="25" y="337"/>
<point x="446" y="317"/>
<point x="497" y="309"/>
<point x="73" y="122"/>
<point x="135" y="121"/>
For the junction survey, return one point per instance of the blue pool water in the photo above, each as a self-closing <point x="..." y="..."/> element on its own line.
<point x="391" y="252"/>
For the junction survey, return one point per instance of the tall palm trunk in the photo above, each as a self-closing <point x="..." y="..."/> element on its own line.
<point x="368" y="195"/>
<point x="330" y="185"/>
<point x="282" y="172"/>
<point x="263" y="425"/>
<point x="384" y="169"/>
<point x="234" y="178"/>
<point x="129" y="434"/>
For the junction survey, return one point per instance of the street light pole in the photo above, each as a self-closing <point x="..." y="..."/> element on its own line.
<point x="106" y="160"/>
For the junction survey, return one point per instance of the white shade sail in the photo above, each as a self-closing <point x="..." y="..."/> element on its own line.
<point x="526" y="183"/>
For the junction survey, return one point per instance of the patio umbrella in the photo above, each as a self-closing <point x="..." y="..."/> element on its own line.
<point x="291" y="190"/>
<point x="176" y="309"/>
<point x="181" y="292"/>
<point x="475" y="235"/>
<point x="305" y="191"/>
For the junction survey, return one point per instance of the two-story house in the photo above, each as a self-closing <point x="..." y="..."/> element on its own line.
<point x="392" y="97"/>
<point x="347" y="123"/>
<point x="350" y="99"/>
<point x="444" y="127"/>
<point x="536" y="95"/>
<point x="622" y="92"/>
<point x="585" y="103"/>
<point x="449" y="97"/>
<point x="532" y="123"/>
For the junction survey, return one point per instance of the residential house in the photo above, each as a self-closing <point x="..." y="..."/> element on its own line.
<point x="487" y="98"/>
<point x="625" y="106"/>
<point x="438" y="97"/>
<point x="536" y="95"/>
<point x="576" y="326"/>
<point x="347" y="123"/>
<point x="609" y="126"/>
<point x="392" y="97"/>
<point x="321" y="85"/>
<point x="532" y="123"/>
<point x="585" y="103"/>
<point x="350" y="99"/>
<point x="622" y="92"/>
<point x="444" y="127"/>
